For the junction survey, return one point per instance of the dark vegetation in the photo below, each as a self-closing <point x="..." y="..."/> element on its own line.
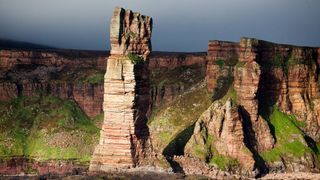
<point x="183" y="77"/>
<point x="135" y="59"/>
<point x="225" y="77"/>
<point x="279" y="61"/>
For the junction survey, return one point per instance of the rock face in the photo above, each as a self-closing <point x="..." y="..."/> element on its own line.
<point x="27" y="72"/>
<point x="124" y="134"/>
<point x="164" y="61"/>
<point x="266" y="76"/>
<point x="219" y="131"/>
<point x="60" y="73"/>
<point x="130" y="33"/>
<point x="288" y="79"/>
<point x="227" y="54"/>
<point x="246" y="84"/>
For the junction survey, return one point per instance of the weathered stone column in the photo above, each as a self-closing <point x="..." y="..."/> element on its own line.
<point x="124" y="134"/>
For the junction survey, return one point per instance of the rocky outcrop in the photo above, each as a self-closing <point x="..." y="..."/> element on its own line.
<point x="124" y="134"/>
<point x="268" y="76"/>
<point x="219" y="131"/>
<point x="289" y="80"/>
<point x="246" y="83"/>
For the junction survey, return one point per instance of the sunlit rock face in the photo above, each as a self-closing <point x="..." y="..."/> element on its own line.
<point x="124" y="134"/>
<point x="130" y="32"/>
<point x="266" y="76"/>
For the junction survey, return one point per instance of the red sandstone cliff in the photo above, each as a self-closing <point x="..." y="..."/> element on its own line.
<point x="266" y="76"/>
<point x="59" y="72"/>
<point x="263" y="74"/>
<point x="25" y="72"/>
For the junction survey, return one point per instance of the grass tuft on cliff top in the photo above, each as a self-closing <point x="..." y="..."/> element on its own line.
<point x="290" y="140"/>
<point x="45" y="127"/>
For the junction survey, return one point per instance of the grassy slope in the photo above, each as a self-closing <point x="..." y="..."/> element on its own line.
<point x="170" y="124"/>
<point x="207" y="151"/>
<point x="46" y="127"/>
<point x="79" y="76"/>
<point x="170" y="120"/>
<point x="290" y="140"/>
<point x="185" y="76"/>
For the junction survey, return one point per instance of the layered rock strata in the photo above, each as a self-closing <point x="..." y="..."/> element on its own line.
<point x="227" y="54"/>
<point x="267" y="76"/>
<point x="56" y="72"/>
<point x="29" y="71"/>
<point x="246" y="84"/>
<point x="124" y="134"/>
<point x="222" y="125"/>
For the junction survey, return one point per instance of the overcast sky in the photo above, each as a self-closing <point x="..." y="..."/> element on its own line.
<point x="179" y="25"/>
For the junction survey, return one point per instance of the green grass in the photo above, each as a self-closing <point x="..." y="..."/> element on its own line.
<point x="184" y="76"/>
<point x="240" y="64"/>
<point x="97" y="78"/>
<point x="224" y="82"/>
<point x="79" y="75"/>
<point x="177" y="116"/>
<point x="220" y="63"/>
<point x="231" y="94"/>
<point x="209" y="153"/>
<point x="223" y="162"/>
<point x="199" y="151"/>
<point x="290" y="139"/>
<point x="278" y="61"/>
<point x="45" y="127"/>
<point x="135" y="59"/>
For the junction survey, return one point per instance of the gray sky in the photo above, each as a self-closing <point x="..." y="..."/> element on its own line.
<point x="179" y="25"/>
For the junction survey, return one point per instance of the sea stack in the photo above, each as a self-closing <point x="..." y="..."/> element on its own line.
<point x="124" y="137"/>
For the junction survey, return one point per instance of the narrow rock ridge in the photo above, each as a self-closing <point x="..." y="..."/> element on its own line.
<point x="124" y="134"/>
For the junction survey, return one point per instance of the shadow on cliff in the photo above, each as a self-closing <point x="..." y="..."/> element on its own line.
<point x="141" y="107"/>
<point x="176" y="148"/>
<point x="251" y="142"/>
<point x="269" y="89"/>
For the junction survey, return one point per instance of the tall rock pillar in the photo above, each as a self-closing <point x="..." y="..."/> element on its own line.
<point x="124" y="134"/>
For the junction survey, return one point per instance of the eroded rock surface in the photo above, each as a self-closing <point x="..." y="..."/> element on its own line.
<point x="271" y="78"/>
<point x="124" y="134"/>
<point x="219" y="131"/>
<point x="65" y="74"/>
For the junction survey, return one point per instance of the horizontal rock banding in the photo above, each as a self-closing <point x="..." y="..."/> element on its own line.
<point x="124" y="133"/>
